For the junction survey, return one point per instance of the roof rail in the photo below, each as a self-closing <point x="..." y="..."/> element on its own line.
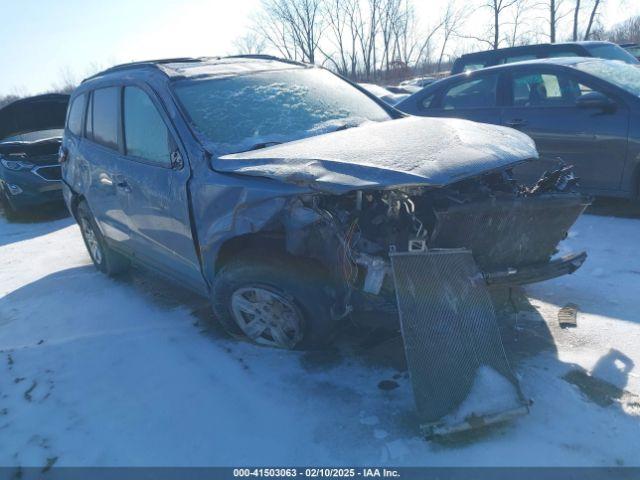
<point x="152" y="63"/>
<point x="260" y="56"/>
<point x="142" y="63"/>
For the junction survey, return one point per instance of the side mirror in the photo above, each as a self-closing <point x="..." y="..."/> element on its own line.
<point x="596" y="100"/>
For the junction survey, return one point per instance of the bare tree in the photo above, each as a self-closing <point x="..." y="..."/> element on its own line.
<point x="518" y="23"/>
<point x="67" y="81"/>
<point x="627" y="31"/>
<point x="293" y="27"/>
<point x="336" y="21"/>
<point x="251" y="43"/>
<point x="497" y="8"/>
<point x="592" y="16"/>
<point x="576" y="18"/>
<point x="452" y="19"/>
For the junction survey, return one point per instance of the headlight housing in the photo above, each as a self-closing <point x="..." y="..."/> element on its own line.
<point x="16" y="165"/>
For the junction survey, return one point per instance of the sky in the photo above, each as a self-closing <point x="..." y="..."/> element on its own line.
<point x="46" y="40"/>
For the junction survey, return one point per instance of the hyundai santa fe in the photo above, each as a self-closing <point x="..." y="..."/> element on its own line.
<point x="280" y="190"/>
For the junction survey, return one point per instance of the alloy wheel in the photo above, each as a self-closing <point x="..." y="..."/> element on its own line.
<point x="267" y="317"/>
<point x="92" y="241"/>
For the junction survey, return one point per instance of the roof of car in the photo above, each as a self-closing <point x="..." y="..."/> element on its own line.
<point x="562" y="61"/>
<point x="501" y="51"/>
<point x="193" y="67"/>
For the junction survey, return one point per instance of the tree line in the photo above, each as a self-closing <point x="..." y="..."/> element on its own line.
<point x="383" y="40"/>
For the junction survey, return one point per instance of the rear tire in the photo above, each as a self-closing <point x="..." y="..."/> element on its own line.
<point x="104" y="258"/>
<point x="279" y="301"/>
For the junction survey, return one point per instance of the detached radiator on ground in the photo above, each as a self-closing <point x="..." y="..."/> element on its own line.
<point x="459" y="371"/>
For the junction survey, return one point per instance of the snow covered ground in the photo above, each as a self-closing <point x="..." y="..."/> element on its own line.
<point x="96" y="371"/>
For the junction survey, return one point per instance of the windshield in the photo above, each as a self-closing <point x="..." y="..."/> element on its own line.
<point x="621" y="74"/>
<point x="611" y="52"/>
<point x="35" y="136"/>
<point x="250" y="111"/>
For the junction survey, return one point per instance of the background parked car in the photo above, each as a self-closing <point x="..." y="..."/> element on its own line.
<point x="384" y="93"/>
<point x="489" y="58"/>
<point x="584" y="111"/>
<point x="30" y="136"/>
<point x="632" y="48"/>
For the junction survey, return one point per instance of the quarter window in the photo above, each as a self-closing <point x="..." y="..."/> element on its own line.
<point x="105" y="116"/>
<point x="477" y="93"/>
<point x="145" y="132"/>
<point x="74" y="122"/>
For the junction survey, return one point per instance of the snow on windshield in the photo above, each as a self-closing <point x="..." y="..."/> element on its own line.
<point x="242" y="112"/>
<point x="621" y="74"/>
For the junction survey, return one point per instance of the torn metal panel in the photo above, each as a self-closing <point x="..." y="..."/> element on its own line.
<point x="451" y="339"/>
<point x="407" y="151"/>
<point x="509" y="232"/>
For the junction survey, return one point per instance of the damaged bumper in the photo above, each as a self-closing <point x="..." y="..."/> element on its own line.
<point x="536" y="273"/>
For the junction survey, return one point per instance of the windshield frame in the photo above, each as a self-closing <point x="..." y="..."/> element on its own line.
<point x="208" y="144"/>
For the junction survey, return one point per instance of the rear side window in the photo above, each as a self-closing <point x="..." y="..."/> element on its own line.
<point x="472" y="67"/>
<point x="74" y="121"/>
<point x="477" y="93"/>
<point x="519" y="58"/>
<point x="540" y="90"/>
<point x="145" y="133"/>
<point x="105" y="116"/>
<point x="563" y="53"/>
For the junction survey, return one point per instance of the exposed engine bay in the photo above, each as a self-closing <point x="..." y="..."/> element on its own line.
<point x="429" y="255"/>
<point x="505" y="225"/>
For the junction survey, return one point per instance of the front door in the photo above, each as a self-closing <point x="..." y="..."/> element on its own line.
<point x="592" y="140"/>
<point x="153" y="189"/>
<point x="472" y="99"/>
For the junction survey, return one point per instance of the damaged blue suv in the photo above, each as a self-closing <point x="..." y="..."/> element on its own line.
<point x="278" y="190"/>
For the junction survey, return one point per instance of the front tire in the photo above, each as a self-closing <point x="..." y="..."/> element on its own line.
<point x="282" y="302"/>
<point x="10" y="212"/>
<point x="104" y="258"/>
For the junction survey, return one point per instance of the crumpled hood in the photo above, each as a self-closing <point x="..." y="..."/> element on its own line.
<point x="408" y="151"/>
<point x="43" y="112"/>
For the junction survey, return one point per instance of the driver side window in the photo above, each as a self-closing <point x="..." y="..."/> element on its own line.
<point x="145" y="134"/>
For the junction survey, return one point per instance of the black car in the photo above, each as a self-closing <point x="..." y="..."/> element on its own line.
<point x="30" y="137"/>
<point x="490" y="58"/>
<point x="585" y="112"/>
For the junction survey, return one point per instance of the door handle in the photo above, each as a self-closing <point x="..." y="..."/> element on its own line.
<point x="105" y="180"/>
<point x="516" y="122"/>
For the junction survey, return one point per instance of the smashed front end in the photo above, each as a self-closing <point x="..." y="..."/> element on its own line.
<point x="512" y="231"/>
<point x="421" y="232"/>
<point x="430" y="255"/>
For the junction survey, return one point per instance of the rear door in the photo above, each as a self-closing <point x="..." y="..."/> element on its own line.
<point x="474" y="98"/>
<point x="100" y="164"/>
<point x="543" y="105"/>
<point x="152" y="187"/>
